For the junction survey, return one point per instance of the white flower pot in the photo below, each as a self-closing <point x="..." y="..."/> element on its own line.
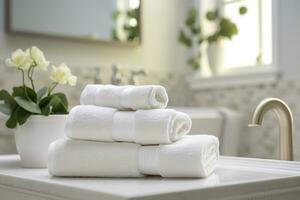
<point x="215" y="57"/>
<point x="34" y="137"/>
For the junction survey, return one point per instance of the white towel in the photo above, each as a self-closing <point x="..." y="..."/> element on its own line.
<point x="125" y="97"/>
<point x="93" y="159"/>
<point x="156" y="126"/>
<point x="192" y="156"/>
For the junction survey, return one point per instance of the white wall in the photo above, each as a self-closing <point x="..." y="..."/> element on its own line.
<point x="289" y="38"/>
<point x="159" y="50"/>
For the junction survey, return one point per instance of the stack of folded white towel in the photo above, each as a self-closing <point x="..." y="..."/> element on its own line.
<point x="125" y="131"/>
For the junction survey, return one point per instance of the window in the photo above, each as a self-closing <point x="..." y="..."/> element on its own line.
<point x="253" y="45"/>
<point x="247" y="59"/>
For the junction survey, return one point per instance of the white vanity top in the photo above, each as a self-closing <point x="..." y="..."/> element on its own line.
<point x="236" y="178"/>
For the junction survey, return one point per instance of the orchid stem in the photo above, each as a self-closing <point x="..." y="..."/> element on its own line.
<point x="23" y="78"/>
<point x="52" y="87"/>
<point x="30" y="75"/>
<point x="23" y="82"/>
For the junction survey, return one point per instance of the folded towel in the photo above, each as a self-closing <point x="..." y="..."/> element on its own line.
<point x="125" y="97"/>
<point x="156" y="126"/>
<point x="91" y="159"/>
<point x="192" y="156"/>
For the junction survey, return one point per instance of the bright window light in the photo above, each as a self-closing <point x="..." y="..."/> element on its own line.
<point x="133" y="4"/>
<point x="253" y="44"/>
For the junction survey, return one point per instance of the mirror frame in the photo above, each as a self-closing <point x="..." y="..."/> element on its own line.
<point x="9" y="30"/>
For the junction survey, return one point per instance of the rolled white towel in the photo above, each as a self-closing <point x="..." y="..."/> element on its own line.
<point x="192" y="156"/>
<point x="156" y="126"/>
<point x="125" y="97"/>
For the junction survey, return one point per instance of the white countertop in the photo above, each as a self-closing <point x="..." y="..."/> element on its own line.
<point x="233" y="178"/>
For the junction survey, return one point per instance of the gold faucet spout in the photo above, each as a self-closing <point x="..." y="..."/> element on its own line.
<point x="285" y="118"/>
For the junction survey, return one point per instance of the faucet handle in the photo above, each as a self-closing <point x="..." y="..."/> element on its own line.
<point x="115" y="76"/>
<point x="133" y="74"/>
<point x="114" y="68"/>
<point x="97" y="75"/>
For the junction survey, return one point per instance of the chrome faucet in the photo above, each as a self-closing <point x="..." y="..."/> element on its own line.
<point x="97" y="77"/>
<point x="115" y="78"/>
<point x="285" y="118"/>
<point x="133" y="74"/>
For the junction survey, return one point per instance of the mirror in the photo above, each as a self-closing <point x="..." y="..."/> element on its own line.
<point x="112" y="21"/>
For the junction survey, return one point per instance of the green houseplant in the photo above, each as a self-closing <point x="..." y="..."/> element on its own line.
<point x="192" y="35"/>
<point x="37" y="115"/>
<point x="129" y="30"/>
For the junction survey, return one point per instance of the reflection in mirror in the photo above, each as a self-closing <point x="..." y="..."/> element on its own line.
<point x="97" y="20"/>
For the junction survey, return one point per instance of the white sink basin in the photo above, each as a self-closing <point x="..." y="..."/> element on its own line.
<point x="222" y="122"/>
<point x="235" y="178"/>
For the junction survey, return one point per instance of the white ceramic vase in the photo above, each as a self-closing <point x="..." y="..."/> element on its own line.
<point x="34" y="137"/>
<point x="215" y="57"/>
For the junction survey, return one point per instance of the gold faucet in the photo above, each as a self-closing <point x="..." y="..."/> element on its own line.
<point x="285" y="118"/>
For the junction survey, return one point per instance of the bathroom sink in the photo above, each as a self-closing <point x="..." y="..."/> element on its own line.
<point x="234" y="178"/>
<point x="222" y="122"/>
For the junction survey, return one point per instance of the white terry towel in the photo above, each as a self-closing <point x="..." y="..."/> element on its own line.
<point x="192" y="156"/>
<point x="93" y="159"/>
<point x="156" y="126"/>
<point x="125" y="97"/>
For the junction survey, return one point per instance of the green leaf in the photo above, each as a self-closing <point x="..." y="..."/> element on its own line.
<point x="227" y="28"/>
<point x="195" y="30"/>
<point x="24" y="92"/>
<point x="54" y="104"/>
<point x="243" y="10"/>
<point x="213" y="38"/>
<point x="28" y="105"/>
<point x="41" y="93"/>
<point x="191" y="18"/>
<point x="63" y="99"/>
<point x="133" y="13"/>
<point x="12" y="121"/>
<point x="212" y="15"/>
<point x="22" y="115"/>
<point x="194" y="63"/>
<point x="184" y="39"/>
<point x="45" y="106"/>
<point x="8" y="99"/>
<point x="59" y="104"/>
<point x="59" y="108"/>
<point x="5" y="109"/>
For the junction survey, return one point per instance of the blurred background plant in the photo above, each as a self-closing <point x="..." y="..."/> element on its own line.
<point x="191" y="35"/>
<point x="129" y="25"/>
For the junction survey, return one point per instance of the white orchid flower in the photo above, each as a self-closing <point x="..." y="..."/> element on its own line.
<point x="62" y="75"/>
<point x="39" y="58"/>
<point x="19" y="59"/>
